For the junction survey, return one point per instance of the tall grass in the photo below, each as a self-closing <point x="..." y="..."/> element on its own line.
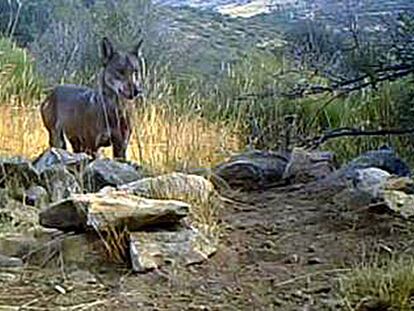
<point x="18" y="80"/>
<point x="161" y="139"/>
<point x="193" y="121"/>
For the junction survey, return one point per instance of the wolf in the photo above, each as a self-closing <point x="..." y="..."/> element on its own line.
<point x="93" y="118"/>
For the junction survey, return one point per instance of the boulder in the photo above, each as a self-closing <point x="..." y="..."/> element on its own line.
<point x="105" y="172"/>
<point x="176" y="186"/>
<point x="17" y="172"/>
<point x="371" y="181"/>
<point x="60" y="157"/>
<point x="59" y="183"/>
<point x="253" y="170"/>
<point x="384" y="158"/>
<point x="356" y="181"/>
<point x="363" y="187"/>
<point x="144" y="250"/>
<point x="181" y="246"/>
<point x="98" y="211"/>
<point x="305" y="166"/>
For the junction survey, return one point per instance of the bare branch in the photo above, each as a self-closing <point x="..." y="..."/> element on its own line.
<point x="315" y="142"/>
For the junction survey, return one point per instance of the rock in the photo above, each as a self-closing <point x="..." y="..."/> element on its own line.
<point x="363" y="187"/>
<point x="176" y="186"/>
<point x="99" y="211"/>
<point x="399" y="202"/>
<point x="218" y="182"/>
<point x="383" y="158"/>
<point x="10" y="262"/>
<point x="252" y="170"/>
<point x="17" y="172"/>
<point x="403" y="184"/>
<point x="371" y="181"/>
<point x="341" y="184"/>
<point x="80" y="251"/>
<point x="106" y="172"/>
<point x="36" y="196"/>
<point x="59" y="183"/>
<point x="59" y="157"/>
<point x="185" y="246"/>
<point x="370" y="177"/>
<point x="305" y="166"/>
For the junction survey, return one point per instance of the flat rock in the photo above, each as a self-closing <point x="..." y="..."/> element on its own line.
<point x="59" y="183"/>
<point x="185" y="246"/>
<point x="106" y="172"/>
<point x="253" y="170"/>
<point x="115" y="209"/>
<point x="60" y="157"/>
<point x="305" y="166"/>
<point x="176" y="186"/>
<point x="17" y="172"/>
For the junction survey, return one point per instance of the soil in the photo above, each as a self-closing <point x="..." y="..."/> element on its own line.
<point x="278" y="252"/>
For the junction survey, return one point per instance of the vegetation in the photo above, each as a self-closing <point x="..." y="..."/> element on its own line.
<point x="385" y="285"/>
<point x="216" y="85"/>
<point x="18" y="79"/>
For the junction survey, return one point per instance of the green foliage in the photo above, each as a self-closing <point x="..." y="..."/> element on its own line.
<point x="31" y="19"/>
<point x="18" y="81"/>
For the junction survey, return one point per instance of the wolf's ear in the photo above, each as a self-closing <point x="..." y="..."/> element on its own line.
<point x="137" y="51"/>
<point x="107" y="50"/>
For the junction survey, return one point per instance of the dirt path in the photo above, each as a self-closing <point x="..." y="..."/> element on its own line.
<point x="278" y="253"/>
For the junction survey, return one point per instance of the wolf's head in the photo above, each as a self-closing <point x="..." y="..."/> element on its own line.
<point x="123" y="71"/>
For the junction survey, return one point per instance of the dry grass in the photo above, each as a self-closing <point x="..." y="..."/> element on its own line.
<point x="161" y="139"/>
<point x="380" y="286"/>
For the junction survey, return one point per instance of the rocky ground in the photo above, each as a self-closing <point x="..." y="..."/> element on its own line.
<point x="278" y="253"/>
<point x="281" y="247"/>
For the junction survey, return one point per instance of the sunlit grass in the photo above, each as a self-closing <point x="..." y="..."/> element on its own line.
<point x="160" y="139"/>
